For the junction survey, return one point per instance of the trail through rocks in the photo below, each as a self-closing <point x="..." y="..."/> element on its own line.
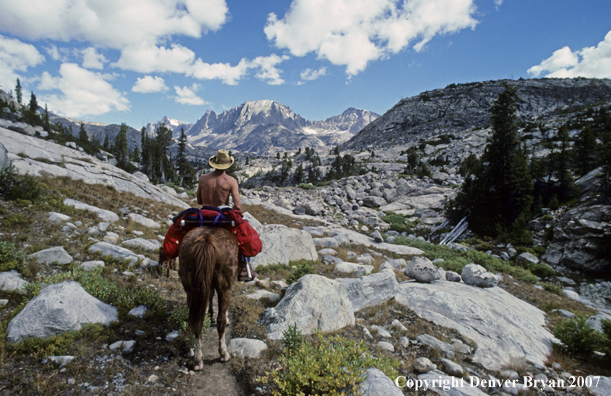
<point x="216" y="378"/>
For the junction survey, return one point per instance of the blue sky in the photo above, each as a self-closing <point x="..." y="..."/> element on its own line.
<point x="135" y="61"/>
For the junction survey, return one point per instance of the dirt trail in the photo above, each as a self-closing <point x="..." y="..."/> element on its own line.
<point x="216" y="378"/>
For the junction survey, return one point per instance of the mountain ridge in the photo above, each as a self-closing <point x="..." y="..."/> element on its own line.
<point x="460" y="107"/>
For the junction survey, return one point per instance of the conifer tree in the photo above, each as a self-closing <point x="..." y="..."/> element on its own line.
<point x="82" y="134"/>
<point x="497" y="194"/>
<point x="120" y="147"/>
<point x="45" y="120"/>
<point x="586" y="150"/>
<point x="18" y="92"/>
<point x="145" y="156"/>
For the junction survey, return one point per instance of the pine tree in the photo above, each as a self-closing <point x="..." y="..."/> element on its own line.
<point x="299" y="174"/>
<point x="18" y="92"/>
<point x="497" y="195"/>
<point x="120" y="147"/>
<point x="33" y="107"/>
<point x="45" y="120"/>
<point x="82" y="134"/>
<point x="106" y="143"/>
<point x="145" y="156"/>
<point x="586" y="150"/>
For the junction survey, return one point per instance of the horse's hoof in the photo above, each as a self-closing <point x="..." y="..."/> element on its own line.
<point x="225" y="358"/>
<point x="199" y="367"/>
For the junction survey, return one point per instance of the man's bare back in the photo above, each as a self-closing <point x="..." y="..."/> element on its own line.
<point x="215" y="187"/>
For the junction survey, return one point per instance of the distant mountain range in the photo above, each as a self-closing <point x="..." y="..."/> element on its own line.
<point x="266" y="127"/>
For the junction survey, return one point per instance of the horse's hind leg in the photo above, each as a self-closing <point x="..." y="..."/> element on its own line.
<point x="211" y="308"/>
<point x="221" y="323"/>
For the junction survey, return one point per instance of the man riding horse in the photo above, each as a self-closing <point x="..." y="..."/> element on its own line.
<point x="214" y="189"/>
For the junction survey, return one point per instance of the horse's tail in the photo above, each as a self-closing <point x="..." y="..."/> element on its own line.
<point x="202" y="284"/>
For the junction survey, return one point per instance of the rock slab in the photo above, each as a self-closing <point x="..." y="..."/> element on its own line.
<point x="503" y="326"/>
<point x="59" y="308"/>
<point x="314" y="302"/>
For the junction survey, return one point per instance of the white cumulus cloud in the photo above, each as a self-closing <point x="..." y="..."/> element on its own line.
<point x="187" y="96"/>
<point x="592" y="62"/>
<point x="149" y="84"/>
<point x="111" y="23"/>
<point x="353" y="33"/>
<point x="310" y="75"/>
<point x="92" y="59"/>
<point x="16" y="56"/>
<point x="82" y="92"/>
<point x="266" y="70"/>
<point x="145" y="58"/>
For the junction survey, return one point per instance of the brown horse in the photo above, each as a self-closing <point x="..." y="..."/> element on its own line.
<point x="208" y="263"/>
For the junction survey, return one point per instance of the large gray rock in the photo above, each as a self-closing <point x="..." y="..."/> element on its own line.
<point x="378" y="384"/>
<point x="145" y="221"/>
<point x="282" y="244"/>
<point x="4" y="161"/>
<point x="59" y="308"/>
<point x="353" y="268"/>
<point x="313" y="302"/>
<point x="422" y="270"/>
<point x="374" y="202"/>
<point x="108" y="249"/>
<point x="526" y="258"/>
<point x="370" y="290"/>
<point x="602" y="387"/>
<point x="54" y="255"/>
<point x="246" y="347"/>
<point x="595" y="321"/>
<point x="146" y="244"/>
<point x="103" y="214"/>
<point x="12" y="281"/>
<point x="476" y="275"/>
<point x="503" y="326"/>
<point x="446" y="349"/>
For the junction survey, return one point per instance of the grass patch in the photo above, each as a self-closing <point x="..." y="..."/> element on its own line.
<point x="454" y="260"/>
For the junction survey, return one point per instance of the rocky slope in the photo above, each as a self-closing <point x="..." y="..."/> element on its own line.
<point x="474" y="328"/>
<point x="462" y="107"/>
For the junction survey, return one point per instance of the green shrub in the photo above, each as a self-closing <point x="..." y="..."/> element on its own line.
<point x="291" y="339"/>
<point x="15" y="219"/>
<point x="578" y="338"/>
<point x="302" y="268"/>
<point x="10" y="257"/>
<point x="541" y="270"/>
<point x="553" y="288"/>
<point x="326" y="366"/>
<point x="14" y="186"/>
<point x="307" y="186"/>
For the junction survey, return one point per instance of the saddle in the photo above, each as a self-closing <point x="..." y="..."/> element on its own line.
<point x="232" y="219"/>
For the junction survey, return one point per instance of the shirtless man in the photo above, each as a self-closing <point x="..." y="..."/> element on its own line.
<point x="214" y="189"/>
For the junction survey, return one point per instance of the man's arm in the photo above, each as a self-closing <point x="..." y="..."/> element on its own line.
<point x="235" y="195"/>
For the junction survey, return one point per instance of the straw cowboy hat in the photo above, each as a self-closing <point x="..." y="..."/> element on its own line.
<point x="221" y="160"/>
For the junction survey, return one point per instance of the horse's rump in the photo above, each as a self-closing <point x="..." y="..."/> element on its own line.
<point x="208" y="258"/>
